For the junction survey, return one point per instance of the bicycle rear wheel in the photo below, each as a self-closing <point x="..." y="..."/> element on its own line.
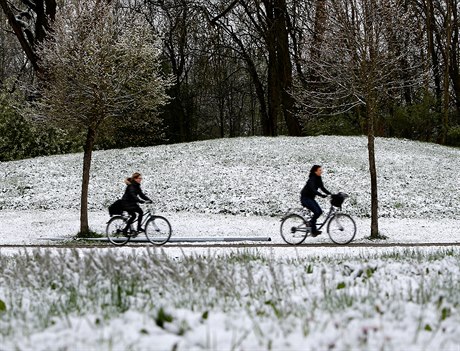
<point x="341" y="229"/>
<point x="158" y="230"/>
<point x="114" y="231"/>
<point x="294" y="229"/>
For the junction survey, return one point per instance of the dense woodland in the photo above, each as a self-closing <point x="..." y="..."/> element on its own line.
<point x="248" y="67"/>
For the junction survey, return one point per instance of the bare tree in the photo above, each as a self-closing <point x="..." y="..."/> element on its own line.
<point x="99" y="65"/>
<point x="268" y="22"/>
<point x="441" y="27"/>
<point x="177" y="22"/>
<point x="30" y="24"/>
<point x="357" y="66"/>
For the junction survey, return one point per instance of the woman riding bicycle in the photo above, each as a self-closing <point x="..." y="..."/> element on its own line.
<point x="309" y="192"/>
<point x="131" y="199"/>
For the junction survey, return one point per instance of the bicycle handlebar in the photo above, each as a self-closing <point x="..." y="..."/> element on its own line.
<point x="148" y="205"/>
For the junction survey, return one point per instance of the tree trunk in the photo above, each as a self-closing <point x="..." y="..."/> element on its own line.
<point x="369" y="76"/>
<point x="319" y="29"/>
<point x="88" y="151"/>
<point x="446" y="95"/>
<point x="454" y="57"/>
<point x="270" y="128"/>
<point x="285" y="69"/>
<point x="313" y="76"/>
<point x="280" y="102"/>
<point x="430" y="25"/>
<point x="372" y="170"/>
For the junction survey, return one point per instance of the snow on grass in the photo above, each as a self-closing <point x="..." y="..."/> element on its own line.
<point x="239" y="187"/>
<point x="248" y="176"/>
<point x="148" y="300"/>
<point x="285" y="298"/>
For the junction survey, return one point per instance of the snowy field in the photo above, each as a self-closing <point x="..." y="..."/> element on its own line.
<point x="284" y="298"/>
<point x="239" y="187"/>
<point x="246" y="299"/>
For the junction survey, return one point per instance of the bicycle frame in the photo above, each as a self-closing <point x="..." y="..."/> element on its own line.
<point x="307" y="215"/>
<point x="149" y="213"/>
<point x="330" y="214"/>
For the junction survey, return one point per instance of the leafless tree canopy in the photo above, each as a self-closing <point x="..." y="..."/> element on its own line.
<point x="269" y="67"/>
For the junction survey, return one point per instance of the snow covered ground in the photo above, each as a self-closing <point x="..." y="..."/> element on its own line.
<point x="284" y="298"/>
<point x="251" y="176"/>
<point x="239" y="186"/>
<point x="34" y="227"/>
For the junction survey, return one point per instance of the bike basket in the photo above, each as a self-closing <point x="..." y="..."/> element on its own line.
<point x="338" y="199"/>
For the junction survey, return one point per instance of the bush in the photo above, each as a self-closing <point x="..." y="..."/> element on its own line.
<point x="453" y="136"/>
<point x="419" y="121"/>
<point x="23" y="138"/>
<point x="346" y="124"/>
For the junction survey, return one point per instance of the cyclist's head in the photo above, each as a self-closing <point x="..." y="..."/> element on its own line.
<point x="316" y="169"/>
<point x="137" y="177"/>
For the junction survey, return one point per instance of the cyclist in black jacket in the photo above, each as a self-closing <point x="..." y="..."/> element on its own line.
<point x="132" y="196"/>
<point x="310" y="191"/>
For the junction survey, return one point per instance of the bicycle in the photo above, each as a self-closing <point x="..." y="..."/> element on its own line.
<point x="157" y="228"/>
<point x="341" y="228"/>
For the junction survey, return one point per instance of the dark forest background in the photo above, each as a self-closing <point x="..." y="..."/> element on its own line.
<point x="256" y="67"/>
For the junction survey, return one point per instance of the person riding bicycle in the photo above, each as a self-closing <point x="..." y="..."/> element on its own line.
<point x="310" y="191"/>
<point x="131" y="198"/>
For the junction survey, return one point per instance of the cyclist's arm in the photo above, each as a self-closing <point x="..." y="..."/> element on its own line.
<point x="312" y="189"/>
<point x="143" y="196"/>
<point x="323" y="189"/>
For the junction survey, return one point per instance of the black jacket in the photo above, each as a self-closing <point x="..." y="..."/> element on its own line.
<point x="310" y="189"/>
<point x="132" y="194"/>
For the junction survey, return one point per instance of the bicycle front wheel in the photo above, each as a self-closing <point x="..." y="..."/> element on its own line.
<point x="341" y="229"/>
<point x="114" y="231"/>
<point x="294" y="229"/>
<point x="158" y="230"/>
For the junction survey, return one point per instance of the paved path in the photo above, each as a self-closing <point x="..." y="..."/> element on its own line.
<point x="100" y="245"/>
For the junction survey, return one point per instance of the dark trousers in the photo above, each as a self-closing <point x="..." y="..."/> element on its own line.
<point x="132" y="213"/>
<point x="313" y="206"/>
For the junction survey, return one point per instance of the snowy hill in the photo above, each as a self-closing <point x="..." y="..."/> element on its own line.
<point x="185" y="297"/>
<point x="249" y="176"/>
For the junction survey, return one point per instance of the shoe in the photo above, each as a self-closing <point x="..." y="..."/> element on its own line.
<point x="140" y="230"/>
<point x="316" y="233"/>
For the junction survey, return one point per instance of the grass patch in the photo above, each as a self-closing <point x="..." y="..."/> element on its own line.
<point x="258" y="297"/>
<point x="89" y="234"/>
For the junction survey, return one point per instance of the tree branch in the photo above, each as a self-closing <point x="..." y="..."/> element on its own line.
<point x="223" y="13"/>
<point x="26" y="46"/>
